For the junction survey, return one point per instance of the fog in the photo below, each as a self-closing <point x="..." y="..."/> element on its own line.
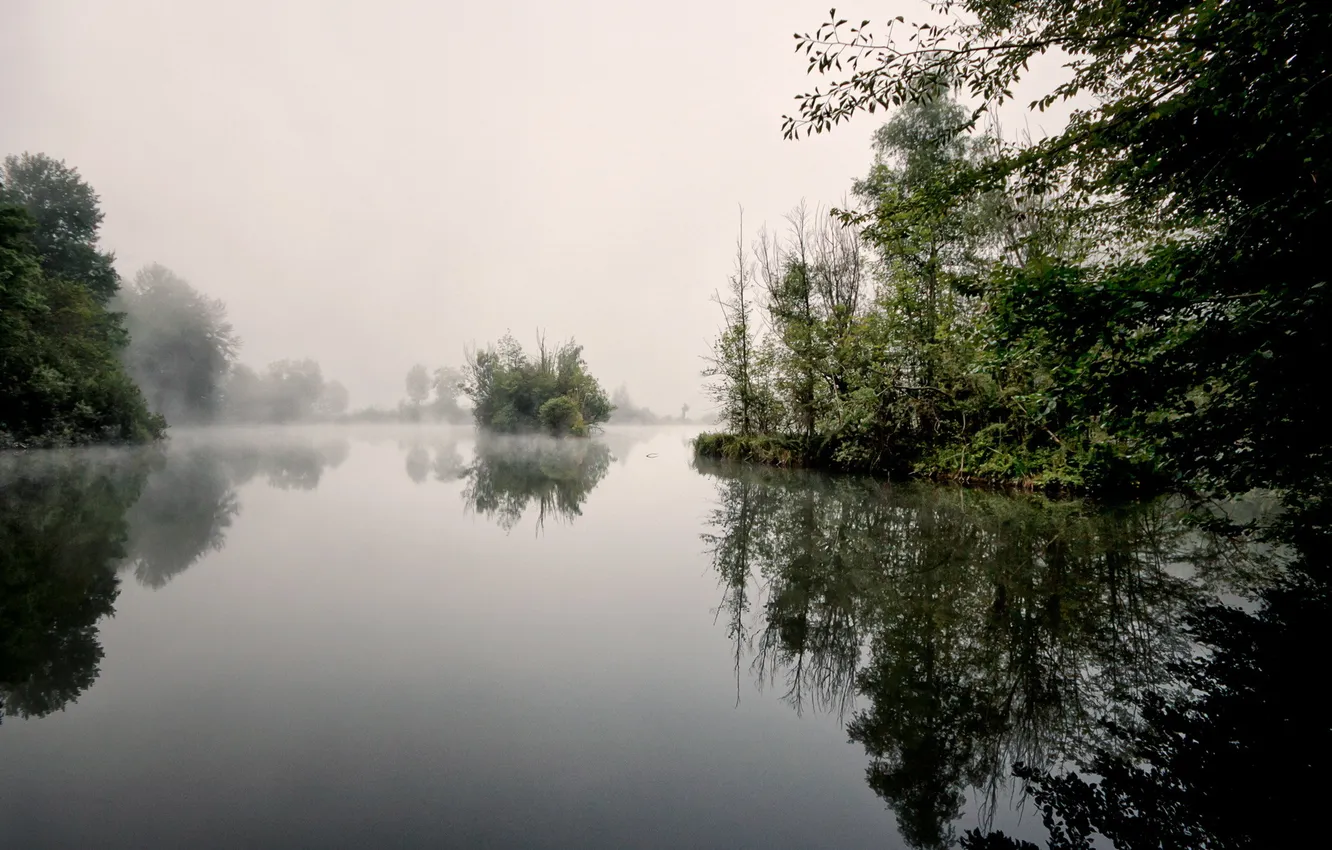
<point x="377" y="185"/>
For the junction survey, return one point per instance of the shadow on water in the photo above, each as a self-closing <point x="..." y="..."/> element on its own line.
<point x="965" y="636"/>
<point x="70" y="521"/>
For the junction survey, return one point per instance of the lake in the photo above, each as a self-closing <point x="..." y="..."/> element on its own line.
<point x="412" y="638"/>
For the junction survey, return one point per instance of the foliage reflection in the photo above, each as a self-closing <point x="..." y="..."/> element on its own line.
<point x="958" y="633"/>
<point x="70" y="521"/>
<point x="509" y="474"/>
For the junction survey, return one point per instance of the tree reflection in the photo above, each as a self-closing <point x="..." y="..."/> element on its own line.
<point x="189" y="500"/>
<point x="184" y="511"/>
<point x="70" y="520"/>
<point x="960" y="632"/>
<point x="1234" y="752"/>
<point x="62" y="531"/>
<point x="432" y="455"/>
<point x="507" y="474"/>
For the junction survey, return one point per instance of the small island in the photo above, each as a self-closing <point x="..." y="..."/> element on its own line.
<point x="551" y="393"/>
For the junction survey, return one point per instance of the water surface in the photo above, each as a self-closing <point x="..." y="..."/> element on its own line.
<point x="412" y="638"/>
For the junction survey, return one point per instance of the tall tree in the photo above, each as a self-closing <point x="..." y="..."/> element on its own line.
<point x="418" y="385"/>
<point x="736" y="365"/>
<point x="181" y="345"/>
<point x="1204" y="159"/>
<point x="60" y="377"/>
<point x="67" y="219"/>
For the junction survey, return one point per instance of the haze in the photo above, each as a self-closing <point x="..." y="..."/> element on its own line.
<point x="374" y="185"/>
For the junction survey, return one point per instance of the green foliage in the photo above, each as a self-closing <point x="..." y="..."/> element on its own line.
<point x="180" y="345"/>
<point x="67" y="217"/>
<point x="560" y="415"/>
<point x="62" y="532"/>
<point x="552" y="393"/>
<point x="509" y="474"/>
<point x="61" y="380"/>
<point x="1191" y="336"/>
<point x="957" y="632"/>
<point x="770" y="449"/>
<point x="879" y="351"/>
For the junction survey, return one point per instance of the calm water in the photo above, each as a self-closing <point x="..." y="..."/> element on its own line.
<point x="409" y="639"/>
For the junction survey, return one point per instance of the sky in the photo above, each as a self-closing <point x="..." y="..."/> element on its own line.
<point x="379" y="184"/>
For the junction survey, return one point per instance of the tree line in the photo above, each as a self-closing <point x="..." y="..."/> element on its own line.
<point x="86" y="357"/>
<point x="72" y="524"/>
<point x="1136" y="301"/>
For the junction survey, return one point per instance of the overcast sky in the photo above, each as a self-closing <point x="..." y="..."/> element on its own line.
<point x="374" y="184"/>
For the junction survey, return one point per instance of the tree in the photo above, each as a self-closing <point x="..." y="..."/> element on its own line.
<point x="61" y="380"/>
<point x="62" y="531"/>
<point x="418" y="385"/>
<point x="448" y="385"/>
<point x="736" y="365"/>
<point x="67" y="217"/>
<point x="287" y="391"/>
<point x="183" y="512"/>
<point x="629" y="413"/>
<point x="553" y="392"/>
<point x="1190" y="333"/>
<point x="333" y="400"/>
<point x="181" y="345"/>
<point x="295" y="387"/>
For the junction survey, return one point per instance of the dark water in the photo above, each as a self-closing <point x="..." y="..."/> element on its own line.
<point x="409" y="639"/>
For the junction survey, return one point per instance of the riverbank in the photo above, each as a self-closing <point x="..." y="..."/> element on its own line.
<point x="1082" y="469"/>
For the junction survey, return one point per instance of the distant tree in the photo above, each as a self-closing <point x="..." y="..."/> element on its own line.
<point x="287" y="391"/>
<point x="181" y="345"/>
<point x="512" y="392"/>
<point x="295" y="388"/>
<point x="626" y="412"/>
<point x="684" y="412"/>
<point x="418" y="385"/>
<point x="67" y="217"/>
<point x="183" y="513"/>
<point x="332" y="401"/>
<point x="448" y="385"/>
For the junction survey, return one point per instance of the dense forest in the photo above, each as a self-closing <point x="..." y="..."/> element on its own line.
<point x="1135" y="302"/>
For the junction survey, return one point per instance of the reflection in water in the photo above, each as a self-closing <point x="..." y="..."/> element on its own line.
<point x="190" y="500"/>
<point x="960" y="633"/>
<point x="432" y="455"/>
<point x="70" y="520"/>
<point x="62" y="530"/>
<point x="184" y="512"/>
<point x="1235" y="753"/>
<point x="507" y="474"/>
